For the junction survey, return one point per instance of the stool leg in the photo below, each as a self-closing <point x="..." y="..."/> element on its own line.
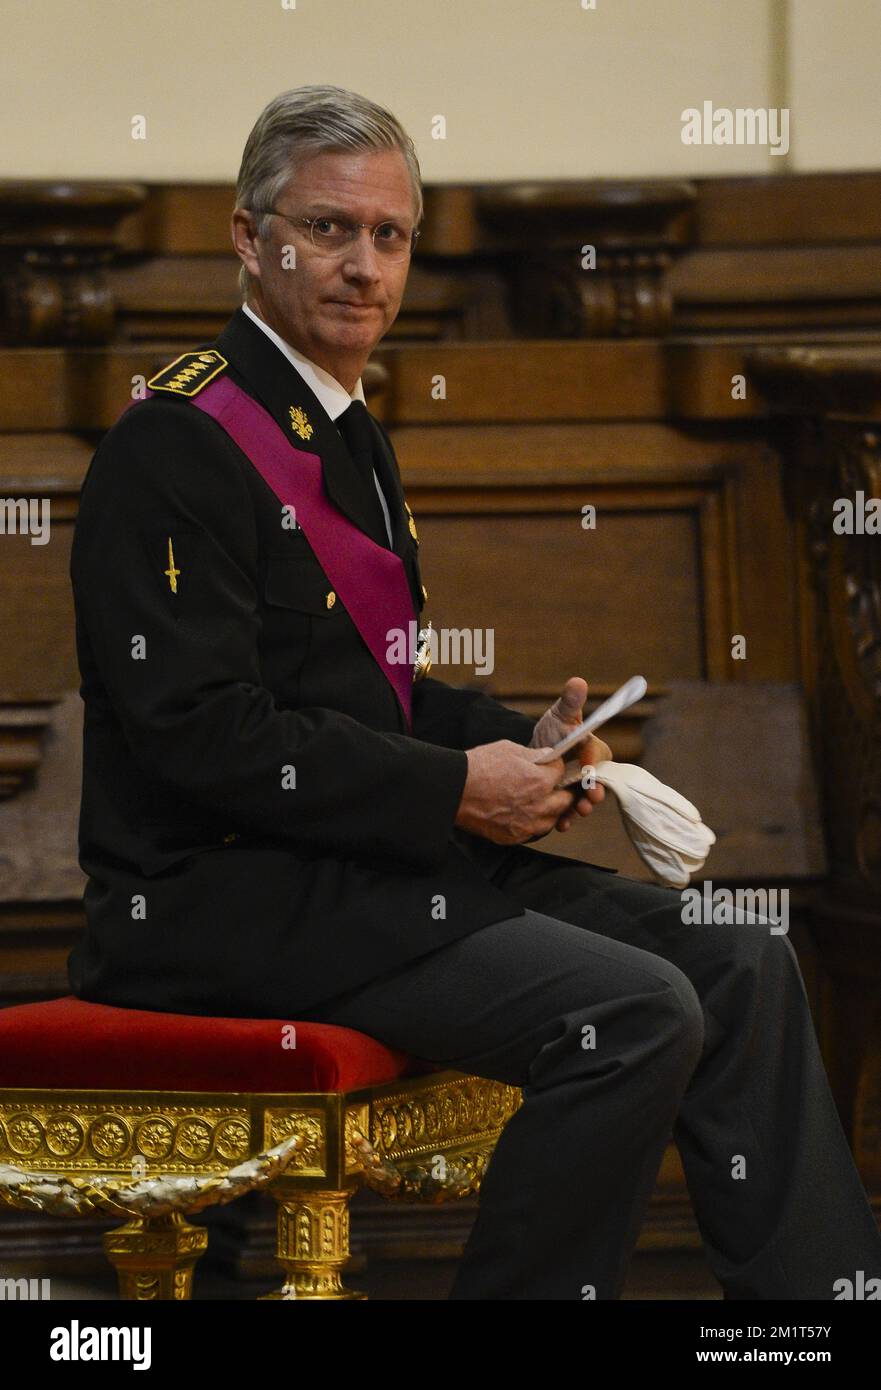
<point x="154" y="1257"/>
<point x="313" y="1241"/>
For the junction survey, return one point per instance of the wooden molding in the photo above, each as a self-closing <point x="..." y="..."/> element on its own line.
<point x="91" y="263"/>
<point x="21" y="735"/>
<point x="631" y="229"/>
<point x="55" y="241"/>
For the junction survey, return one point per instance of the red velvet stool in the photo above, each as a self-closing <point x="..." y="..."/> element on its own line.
<point x="152" y="1117"/>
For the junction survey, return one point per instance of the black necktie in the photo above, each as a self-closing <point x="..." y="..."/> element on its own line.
<point x="357" y="431"/>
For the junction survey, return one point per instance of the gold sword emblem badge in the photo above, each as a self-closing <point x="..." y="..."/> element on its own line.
<point x="171" y="571"/>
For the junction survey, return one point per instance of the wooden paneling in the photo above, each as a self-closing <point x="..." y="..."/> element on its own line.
<point x="732" y="564"/>
<point x="36" y="618"/>
<point x="806" y="209"/>
<point x="560" y="599"/>
<point x="533" y="380"/>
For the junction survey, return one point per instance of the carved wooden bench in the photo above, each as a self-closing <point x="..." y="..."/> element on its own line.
<point x="152" y="1117"/>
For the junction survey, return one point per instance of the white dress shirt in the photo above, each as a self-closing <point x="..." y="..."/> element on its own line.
<point x="331" y="393"/>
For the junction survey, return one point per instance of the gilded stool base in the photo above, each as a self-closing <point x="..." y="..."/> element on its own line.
<point x="154" y="1258"/>
<point x="161" y="1156"/>
<point x="313" y="1243"/>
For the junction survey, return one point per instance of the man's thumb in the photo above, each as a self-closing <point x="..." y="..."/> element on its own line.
<point x="572" y="699"/>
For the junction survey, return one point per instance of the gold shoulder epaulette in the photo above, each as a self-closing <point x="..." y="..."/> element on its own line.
<point x="187" y="374"/>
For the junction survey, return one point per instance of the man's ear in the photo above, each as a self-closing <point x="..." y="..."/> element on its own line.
<point x="244" y="239"/>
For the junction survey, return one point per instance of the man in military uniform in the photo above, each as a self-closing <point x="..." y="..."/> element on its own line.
<point x="279" y="821"/>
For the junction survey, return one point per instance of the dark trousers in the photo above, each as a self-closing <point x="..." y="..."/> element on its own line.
<point x="623" y="1026"/>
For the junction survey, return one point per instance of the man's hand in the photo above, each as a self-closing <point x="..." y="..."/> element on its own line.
<point x="508" y="797"/>
<point x="564" y="715"/>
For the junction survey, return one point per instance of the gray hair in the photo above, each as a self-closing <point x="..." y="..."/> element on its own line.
<point x="307" y="121"/>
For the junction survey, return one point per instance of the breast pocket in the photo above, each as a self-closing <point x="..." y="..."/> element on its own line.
<point x="300" y="609"/>
<point x="298" y="582"/>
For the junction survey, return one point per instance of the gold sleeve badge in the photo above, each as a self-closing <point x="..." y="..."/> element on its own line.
<point x="171" y="572"/>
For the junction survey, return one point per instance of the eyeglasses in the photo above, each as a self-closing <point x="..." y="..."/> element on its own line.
<point x="331" y="234"/>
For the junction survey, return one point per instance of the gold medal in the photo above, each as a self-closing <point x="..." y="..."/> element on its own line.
<point x="422" y="664"/>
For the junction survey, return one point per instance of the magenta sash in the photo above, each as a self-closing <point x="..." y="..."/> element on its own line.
<point x="370" y="580"/>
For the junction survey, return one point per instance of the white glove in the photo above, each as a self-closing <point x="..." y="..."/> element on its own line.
<point x="666" y="830"/>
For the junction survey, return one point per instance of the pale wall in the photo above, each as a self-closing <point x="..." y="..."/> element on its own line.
<point x="529" y="88"/>
<point x="835" y="83"/>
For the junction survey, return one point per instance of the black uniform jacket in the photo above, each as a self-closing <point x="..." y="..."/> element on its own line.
<point x="259" y="831"/>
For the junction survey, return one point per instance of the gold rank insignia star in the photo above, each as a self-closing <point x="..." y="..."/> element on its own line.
<point x="187" y="374"/>
<point x="171" y="571"/>
<point x="412" y="524"/>
<point x="300" y="422"/>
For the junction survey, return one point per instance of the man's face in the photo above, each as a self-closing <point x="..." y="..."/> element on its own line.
<point x="333" y="308"/>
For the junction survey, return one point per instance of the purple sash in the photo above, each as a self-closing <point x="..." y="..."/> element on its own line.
<point x="369" y="579"/>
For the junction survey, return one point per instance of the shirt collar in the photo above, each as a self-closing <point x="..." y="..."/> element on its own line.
<point x="331" y="393"/>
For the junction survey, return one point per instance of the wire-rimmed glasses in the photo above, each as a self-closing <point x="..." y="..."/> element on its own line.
<point x="331" y="233"/>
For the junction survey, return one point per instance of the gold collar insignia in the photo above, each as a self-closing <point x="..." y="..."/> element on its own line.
<point x="300" y="422"/>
